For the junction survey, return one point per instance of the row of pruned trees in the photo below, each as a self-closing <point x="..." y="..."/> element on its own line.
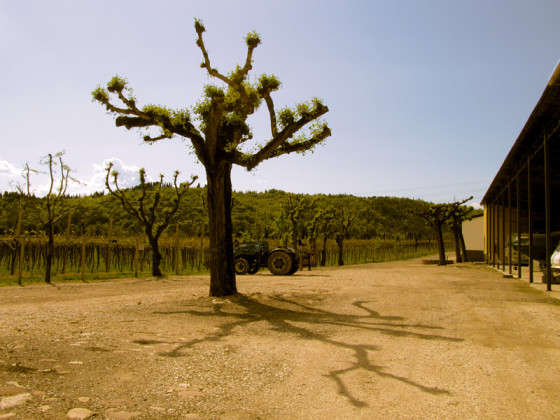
<point x="150" y="209"/>
<point x="453" y="215"/>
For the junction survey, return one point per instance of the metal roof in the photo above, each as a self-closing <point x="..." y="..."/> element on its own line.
<point x="544" y="120"/>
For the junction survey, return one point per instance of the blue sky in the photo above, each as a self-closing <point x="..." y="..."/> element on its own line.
<point x="426" y="97"/>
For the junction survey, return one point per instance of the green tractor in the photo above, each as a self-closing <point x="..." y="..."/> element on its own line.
<point x="250" y="256"/>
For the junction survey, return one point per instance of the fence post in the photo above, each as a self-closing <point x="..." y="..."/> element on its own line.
<point x="83" y="257"/>
<point x="177" y="252"/>
<point x="110" y="239"/>
<point x="136" y="257"/>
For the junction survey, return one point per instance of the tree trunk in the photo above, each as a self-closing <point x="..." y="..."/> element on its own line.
<point x="324" y="252"/>
<point x="456" y="236"/>
<point x="50" y="253"/>
<point x="339" y="244"/>
<point x="294" y="233"/>
<point x="156" y="256"/>
<point x="441" y="246"/>
<point x="222" y="274"/>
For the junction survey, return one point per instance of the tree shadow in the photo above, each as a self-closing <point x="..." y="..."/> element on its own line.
<point x="288" y="316"/>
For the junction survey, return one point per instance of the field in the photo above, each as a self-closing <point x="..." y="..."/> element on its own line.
<point x="372" y="341"/>
<point x="94" y="258"/>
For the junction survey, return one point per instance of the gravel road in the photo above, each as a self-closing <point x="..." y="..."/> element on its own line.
<point x="399" y="340"/>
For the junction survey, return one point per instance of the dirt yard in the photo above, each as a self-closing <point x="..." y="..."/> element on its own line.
<point x="399" y="340"/>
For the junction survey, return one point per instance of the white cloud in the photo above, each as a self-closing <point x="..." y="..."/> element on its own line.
<point x="8" y="170"/>
<point x="128" y="177"/>
<point x="10" y="176"/>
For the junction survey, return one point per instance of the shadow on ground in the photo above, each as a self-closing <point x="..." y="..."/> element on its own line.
<point x="293" y="318"/>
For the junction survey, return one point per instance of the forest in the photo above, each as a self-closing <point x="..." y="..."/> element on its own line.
<point x="99" y="236"/>
<point x="255" y="215"/>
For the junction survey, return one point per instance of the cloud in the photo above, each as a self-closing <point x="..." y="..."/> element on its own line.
<point x="10" y="176"/>
<point x="128" y="177"/>
<point x="8" y="170"/>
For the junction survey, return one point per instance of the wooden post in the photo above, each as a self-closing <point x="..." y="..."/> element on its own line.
<point x="201" y="245"/>
<point x="136" y="258"/>
<point x="141" y="248"/>
<point x="83" y="259"/>
<point x="109" y="243"/>
<point x="65" y="247"/>
<point x="20" y="243"/>
<point x="177" y="250"/>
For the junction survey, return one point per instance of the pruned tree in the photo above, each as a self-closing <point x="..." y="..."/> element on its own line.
<point x="458" y="214"/>
<point x="218" y="133"/>
<point x="437" y="215"/>
<point x="295" y="210"/>
<point x="149" y="208"/>
<point x="342" y="221"/>
<point x="322" y="227"/>
<point x="52" y="207"/>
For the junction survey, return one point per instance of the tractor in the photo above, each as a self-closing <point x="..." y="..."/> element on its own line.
<point x="250" y="256"/>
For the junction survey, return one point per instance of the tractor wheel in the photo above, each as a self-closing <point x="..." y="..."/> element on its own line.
<point x="241" y="266"/>
<point x="280" y="263"/>
<point x="295" y="267"/>
<point x="253" y="270"/>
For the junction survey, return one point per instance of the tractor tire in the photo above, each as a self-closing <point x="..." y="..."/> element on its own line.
<point x="241" y="266"/>
<point x="280" y="263"/>
<point x="295" y="267"/>
<point x="253" y="270"/>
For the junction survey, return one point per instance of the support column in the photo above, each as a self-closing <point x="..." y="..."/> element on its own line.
<point x="530" y="219"/>
<point x="503" y="233"/>
<point x="547" y="213"/>
<point x="509" y="236"/>
<point x="518" y="201"/>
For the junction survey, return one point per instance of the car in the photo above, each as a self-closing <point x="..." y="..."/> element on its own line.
<point x="555" y="262"/>
<point x="539" y="245"/>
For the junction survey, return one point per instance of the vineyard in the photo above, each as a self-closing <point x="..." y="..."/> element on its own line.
<point x="90" y="258"/>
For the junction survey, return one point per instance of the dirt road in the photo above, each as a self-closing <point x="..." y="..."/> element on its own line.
<point x="382" y="341"/>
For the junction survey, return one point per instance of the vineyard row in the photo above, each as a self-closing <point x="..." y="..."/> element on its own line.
<point x="185" y="256"/>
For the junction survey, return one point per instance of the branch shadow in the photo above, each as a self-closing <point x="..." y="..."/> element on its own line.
<point x="287" y="316"/>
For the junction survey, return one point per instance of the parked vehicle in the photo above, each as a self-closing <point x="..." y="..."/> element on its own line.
<point x="539" y="245"/>
<point x="555" y="262"/>
<point x="250" y="256"/>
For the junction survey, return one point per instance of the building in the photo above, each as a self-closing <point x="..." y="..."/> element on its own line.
<point x="522" y="205"/>
<point x="473" y="234"/>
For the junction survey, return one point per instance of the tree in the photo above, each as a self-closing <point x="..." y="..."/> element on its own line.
<point x="436" y="215"/>
<point x="295" y="212"/>
<point x="218" y="138"/>
<point x="342" y="227"/>
<point x="150" y="212"/>
<point x="322" y="226"/>
<point x="51" y="208"/>
<point x="458" y="214"/>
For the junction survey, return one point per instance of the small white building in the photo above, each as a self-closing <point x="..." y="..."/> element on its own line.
<point x="473" y="233"/>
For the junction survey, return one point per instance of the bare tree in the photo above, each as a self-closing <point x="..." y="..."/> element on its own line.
<point x="437" y="215"/>
<point x="459" y="213"/>
<point x="218" y="134"/>
<point x="342" y="221"/>
<point x="295" y="210"/>
<point x="322" y="226"/>
<point x="149" y="209"/>
<point x="50" y="208"/>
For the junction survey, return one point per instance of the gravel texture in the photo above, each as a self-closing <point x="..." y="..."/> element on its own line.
<point x="379" y="341"/>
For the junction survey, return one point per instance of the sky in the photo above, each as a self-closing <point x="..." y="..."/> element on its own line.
<point x="425" y="97"/>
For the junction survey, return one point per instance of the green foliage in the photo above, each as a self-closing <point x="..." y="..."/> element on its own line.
<point x="260" y="214"/>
